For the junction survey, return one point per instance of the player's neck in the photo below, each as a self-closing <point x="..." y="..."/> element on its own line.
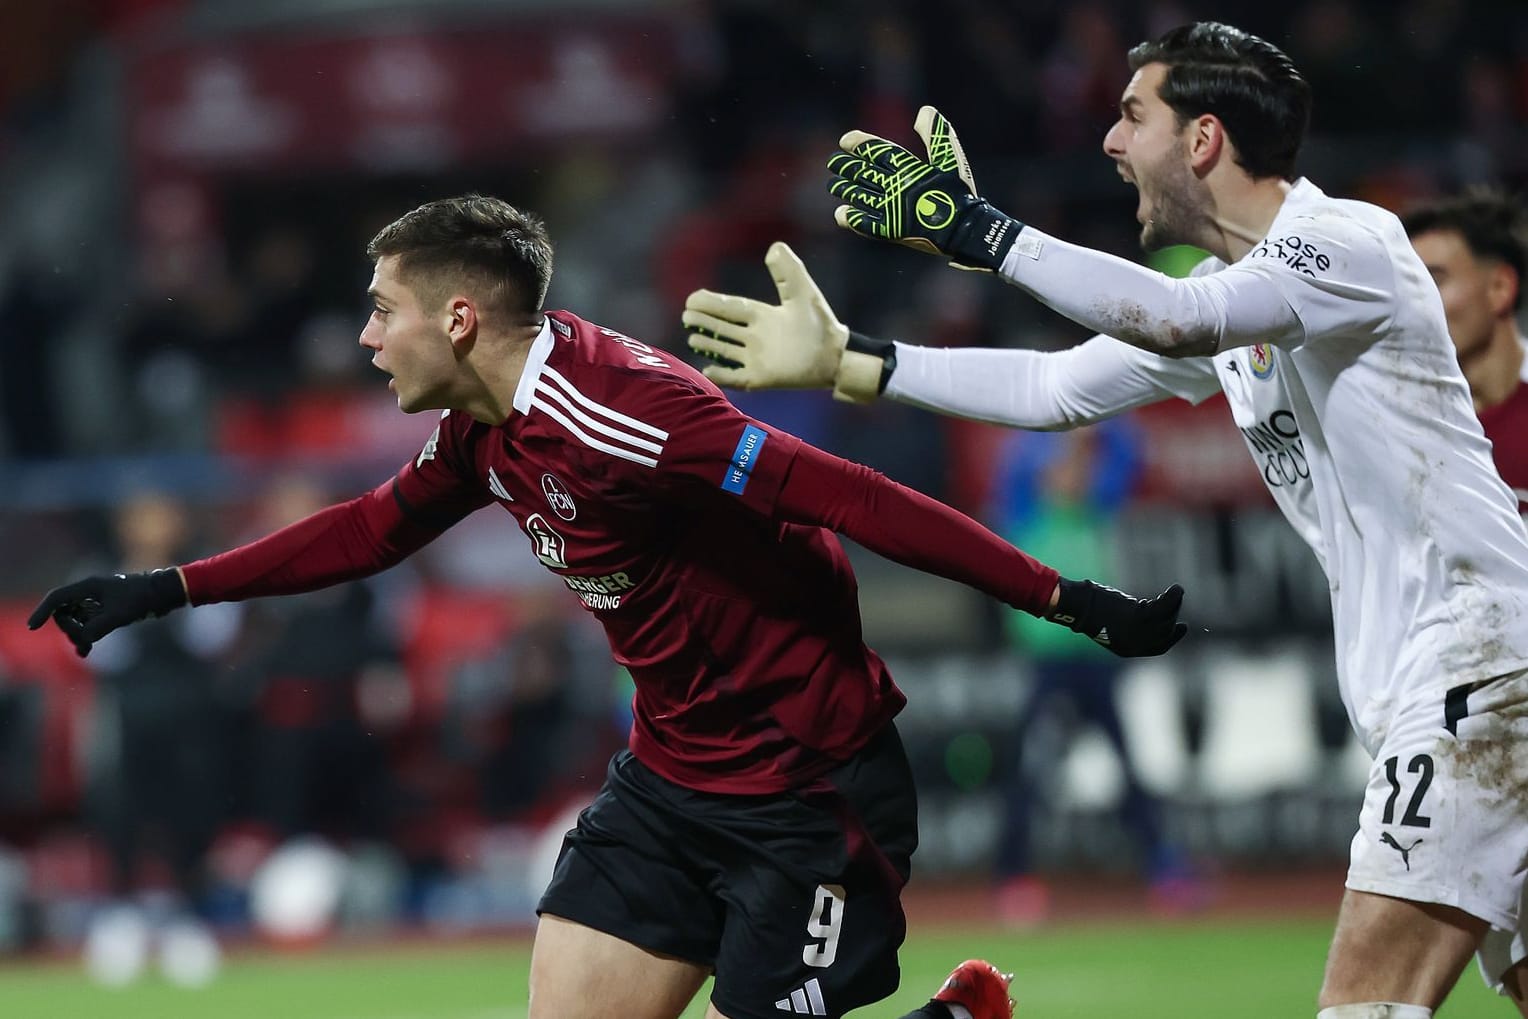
<point x="1244" y="210"/>
<point x="494" y="371"/>
<point x="1494" y="372"/>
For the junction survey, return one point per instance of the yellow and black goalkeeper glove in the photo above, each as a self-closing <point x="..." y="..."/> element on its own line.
<point x="796" y="344"/>
<point x="929" y="204"/>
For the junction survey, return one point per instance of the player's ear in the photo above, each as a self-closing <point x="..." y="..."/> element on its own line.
<point x="461" y="322"/>
<point x="1205" y="141"/>
<point x="1503" y="288"/>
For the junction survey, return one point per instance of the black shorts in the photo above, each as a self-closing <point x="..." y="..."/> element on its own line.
<point x="794" y="899"/>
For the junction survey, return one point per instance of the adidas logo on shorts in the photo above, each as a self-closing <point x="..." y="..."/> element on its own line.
<point x="804" y="1000"/>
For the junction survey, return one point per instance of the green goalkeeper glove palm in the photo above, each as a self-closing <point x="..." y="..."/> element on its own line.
<point x="928" y="204"/>
<point x="796" y="344"/>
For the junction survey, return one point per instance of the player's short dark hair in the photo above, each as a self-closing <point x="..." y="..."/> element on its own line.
<point x="1250" y="84"/>
<point x="1494" y="225"/>
<point x="505" y="251"/>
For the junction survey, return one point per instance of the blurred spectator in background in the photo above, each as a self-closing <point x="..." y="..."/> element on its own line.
<point x="29" y="325"/>
<point x="279" y="274"/>
<point x="1059" y="495"/>
<point x="313" y="662"/>
<point x="156" y="784"/>
<point x="511" y="715"/>
<point x="1476" y="247"/>
<point x="1082" y="77"/>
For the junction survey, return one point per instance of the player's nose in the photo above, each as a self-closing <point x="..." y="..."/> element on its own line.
<point x="1113" y="146"/>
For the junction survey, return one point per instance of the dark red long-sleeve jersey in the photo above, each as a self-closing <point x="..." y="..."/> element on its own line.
<point x="699" y="537"/>
<point x="1506" y="425"/>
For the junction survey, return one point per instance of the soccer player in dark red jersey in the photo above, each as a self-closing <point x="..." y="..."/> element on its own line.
<point x="1476" y="247"/>
<point x="761" y="824"/>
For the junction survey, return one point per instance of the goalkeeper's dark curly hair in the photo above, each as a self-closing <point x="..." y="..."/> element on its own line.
<point x="1494" y="226"/>
<point x="472" y="239"/>
<point x="1249" y="84"/>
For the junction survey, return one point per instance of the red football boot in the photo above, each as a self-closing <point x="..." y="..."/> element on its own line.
<point x="979" y="986"/>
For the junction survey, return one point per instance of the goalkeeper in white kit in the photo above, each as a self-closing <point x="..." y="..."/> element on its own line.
<point x="1324" y="330"/>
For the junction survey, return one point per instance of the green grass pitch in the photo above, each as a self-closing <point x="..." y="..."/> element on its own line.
<point x="1247" y="969"/>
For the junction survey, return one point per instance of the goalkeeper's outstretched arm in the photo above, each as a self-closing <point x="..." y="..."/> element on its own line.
<point x="800" y="344"/>
<point x="930" y="203"/>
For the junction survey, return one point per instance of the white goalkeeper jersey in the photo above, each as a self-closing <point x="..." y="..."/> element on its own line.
<point x="1337" y="364"/>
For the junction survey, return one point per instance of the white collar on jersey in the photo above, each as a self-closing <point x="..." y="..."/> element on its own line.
<point x="535" y="360"/>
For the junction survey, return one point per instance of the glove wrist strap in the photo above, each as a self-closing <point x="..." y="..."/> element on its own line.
<point x="865" y="369"/>
<point x="166" y="590"/>
<point x="983" y="237"/>
<point x="1073" y="606"/>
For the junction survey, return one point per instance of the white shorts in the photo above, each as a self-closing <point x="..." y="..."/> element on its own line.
<point x="1445" y="814"/>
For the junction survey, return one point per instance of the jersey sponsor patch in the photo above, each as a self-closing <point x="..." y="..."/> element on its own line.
<point x="600" y="593"/>
<point x="548" y="545"/>
<point x="743" y="459"/>
<point x="1279" y="449"/>
<point x="1296" y="252"/>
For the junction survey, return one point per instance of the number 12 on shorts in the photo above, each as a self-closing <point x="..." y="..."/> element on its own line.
<point x="1422" y="766"/>
<point x="825" y="925"/>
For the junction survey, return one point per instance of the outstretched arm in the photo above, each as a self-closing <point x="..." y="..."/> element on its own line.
<point x="930" y="203"/>
<point x="910" y="528"/>
<point x="1191" y="317"/>
<point x="347" y="541"/>
<point x="799" y="343"/>
<point x="343" y="542"/>
<point x="1041" y="391"/>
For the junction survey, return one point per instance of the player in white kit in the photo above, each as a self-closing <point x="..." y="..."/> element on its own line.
<point x="1327" y="335"/>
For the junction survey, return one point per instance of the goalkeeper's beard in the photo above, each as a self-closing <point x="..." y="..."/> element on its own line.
<point x="1175" y="205"/>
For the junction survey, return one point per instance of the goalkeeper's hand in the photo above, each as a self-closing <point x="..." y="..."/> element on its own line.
<point x="796" y="344"/>
<point x="1128" y="626"/>
<point x="926" y="203"/>
<point x="89" y="609"/>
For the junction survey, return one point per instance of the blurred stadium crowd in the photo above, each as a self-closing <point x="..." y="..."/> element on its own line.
<point x="187" y="189"/>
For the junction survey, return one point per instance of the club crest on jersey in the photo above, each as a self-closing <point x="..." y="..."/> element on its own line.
<point x="558" y="497"/>
<point x="548" y="545"/>
<point x="1260" y="357"/>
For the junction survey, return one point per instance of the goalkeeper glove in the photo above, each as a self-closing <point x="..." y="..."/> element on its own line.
<point x="929" y="204"/>
<point x="1128" y="626"/>
<point x="796" y="344"/>
<point x="89" y="609"/>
